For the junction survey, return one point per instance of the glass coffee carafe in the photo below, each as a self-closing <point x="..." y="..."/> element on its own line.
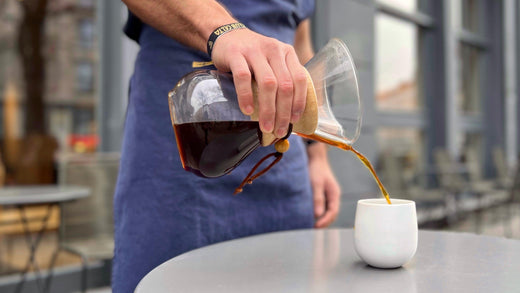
<point x="214" y="136"/>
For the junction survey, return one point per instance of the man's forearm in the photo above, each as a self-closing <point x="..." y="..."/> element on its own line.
<point x="281" y="79"/>
<point x="187" y="21"/>
<point x="303" y="42"/>
<point x="317" y="151"/>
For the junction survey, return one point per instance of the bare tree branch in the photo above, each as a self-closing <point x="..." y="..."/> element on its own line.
<point x="30" y="47"/>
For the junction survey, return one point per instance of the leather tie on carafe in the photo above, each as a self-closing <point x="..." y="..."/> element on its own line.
<point x="281" y="147"/>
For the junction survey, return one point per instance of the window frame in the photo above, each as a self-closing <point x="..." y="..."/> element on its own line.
<point x="423" y="22"/>
<point x="514" y="154"/>
<point x="441" y="33"/>
<point x="480" y="42"/>
<point x="489" y="122"/>
<point x="89" y="66"/>
<point x="428" y="28"/>
<point x="85" y="44"/>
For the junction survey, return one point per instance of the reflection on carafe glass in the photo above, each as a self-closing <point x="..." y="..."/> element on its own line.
<point x="213" y="149"/>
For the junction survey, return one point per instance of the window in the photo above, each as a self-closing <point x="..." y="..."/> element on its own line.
<point x="397" y="65"/>
<point x="84" y="77"/>
<point x="86" y="33"/>
<point x="471" y="14"/>
<point x="405" y="144"/>
<point x="473" y="57"/>
<point x="399" y="88"/>
<point x="83" y="122"/>
<point x="470" y="85"/>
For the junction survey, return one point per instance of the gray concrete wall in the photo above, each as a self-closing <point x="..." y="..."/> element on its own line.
<point x="113" y="68"/>
<point x="518" y="79"/>
<point x="353" y="22"/>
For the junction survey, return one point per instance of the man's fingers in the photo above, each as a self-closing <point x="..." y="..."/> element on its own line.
<point x="242" y="80"/>
<point x="299" y="78"/>
<point x="319" y="201"/>
<point x="281" y="81"/>
<point x="267" y="86"/>
<point x="333" y="199"/>
<point x="330" y="215"/>
<point x="324" y="221"/>
<point x="332" y="194"/>
<point x="284" y="97"/>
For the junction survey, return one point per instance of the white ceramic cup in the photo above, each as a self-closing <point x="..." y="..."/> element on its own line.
<point x="385" y="236"/>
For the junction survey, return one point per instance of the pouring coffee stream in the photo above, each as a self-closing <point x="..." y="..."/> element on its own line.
<point x="214" y="136"/>
<point x="361" y="157"/>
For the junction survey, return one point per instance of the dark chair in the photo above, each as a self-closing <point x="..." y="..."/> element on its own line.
<point x="473" y="194"/>
<point x="513" y="203"/>
<point x="432" y="204"/>
<point x="504" y="177"/>
<point x="494" y="194"/>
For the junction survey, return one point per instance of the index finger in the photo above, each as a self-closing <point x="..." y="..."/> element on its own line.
<point x="299" y="77"/>
<point x="242" y="80"/>
<point x="267" y="85"/>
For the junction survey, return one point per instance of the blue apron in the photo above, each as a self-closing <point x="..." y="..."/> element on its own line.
<point x="161" y="210"/>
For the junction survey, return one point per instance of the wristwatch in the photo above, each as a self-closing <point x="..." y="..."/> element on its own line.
<point x="309" y="142"/>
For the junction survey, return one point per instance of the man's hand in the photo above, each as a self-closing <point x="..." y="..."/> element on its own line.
<point x="281" y="79"/>
<point x="325" y="188"/>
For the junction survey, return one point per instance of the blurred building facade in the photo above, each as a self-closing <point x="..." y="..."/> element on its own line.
<point x="71" y="57"/>
<point x="72" y="73"/>
<point x="433" y="75"/>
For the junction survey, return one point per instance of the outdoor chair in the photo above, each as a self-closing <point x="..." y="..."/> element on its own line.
<point x="504" y="174"/>
<point x="448" y="173"/>
<point x="513" y="203"/>
<point x="475" y="177"/>
<point x="490" y="189"/>
<point x="406" y="184"/>
<point x="86" y="228"/>
<point x="471" y="196"/>
<point x="449" y="177"/>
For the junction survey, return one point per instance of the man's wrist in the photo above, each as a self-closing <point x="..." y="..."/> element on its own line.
<point x="317" y="150"/>
<point x="221" y="30"/>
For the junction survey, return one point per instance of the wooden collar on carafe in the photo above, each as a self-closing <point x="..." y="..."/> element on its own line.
<point x="307" y="125"/>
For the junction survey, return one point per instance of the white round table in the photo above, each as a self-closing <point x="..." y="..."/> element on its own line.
<point x="40" y="194"/>
<point x="325" y="261"/>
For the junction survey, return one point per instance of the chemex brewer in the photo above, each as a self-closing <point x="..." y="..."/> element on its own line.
<point x="214" y="136"/>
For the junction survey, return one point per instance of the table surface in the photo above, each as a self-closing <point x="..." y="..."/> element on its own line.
<point x="40" y="194"/>
<point x="325" y="261"/>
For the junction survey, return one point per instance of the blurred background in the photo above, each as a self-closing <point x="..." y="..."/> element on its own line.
<point x="439" y="81"/>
